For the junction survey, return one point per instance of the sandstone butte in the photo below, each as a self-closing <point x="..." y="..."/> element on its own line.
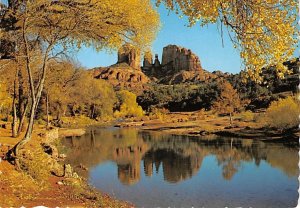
<point x="178" y="65"/>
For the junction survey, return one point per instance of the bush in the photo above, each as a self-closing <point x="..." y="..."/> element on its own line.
<point x="158" y="113"/>
<point x="247" y="116"/>
<point x="128" y="105"/>
<point x="283" y="114"/>
<point x="34" y="163"/>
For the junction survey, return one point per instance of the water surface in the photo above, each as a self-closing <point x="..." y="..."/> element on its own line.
<point x="151" y="169"/>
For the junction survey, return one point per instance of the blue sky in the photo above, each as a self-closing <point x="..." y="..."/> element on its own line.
<point x="206" y="42"/>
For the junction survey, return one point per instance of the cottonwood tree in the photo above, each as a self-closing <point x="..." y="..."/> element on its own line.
<point x="52" y="27"/>
<point x="228" y="101"/>
<point x="264" y="31"/>
<point x="5" y="100"/>
<point x="58" y="87"/>
<point x="97" y="95"/>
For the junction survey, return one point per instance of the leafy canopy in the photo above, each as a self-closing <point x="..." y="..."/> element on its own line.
<point x="128" y="105"/>
<point x="104" y="23"/>
<point x="228" y="100"/>
<point x="264" y="30"/>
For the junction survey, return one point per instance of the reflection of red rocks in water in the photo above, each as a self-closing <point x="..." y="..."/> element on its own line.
<point x="129" y="174"/>
<point x="130" y="154"/>
<point x="180" y="157"/>
<point x="175" y="166"/>
<point x="128" y="160"/>
<point x="148" y="166"/>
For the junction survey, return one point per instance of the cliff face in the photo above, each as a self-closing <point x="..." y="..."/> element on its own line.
<point x="129" y="55"/>
<point x="176" y="59"/>
<point x="178" y="65"/>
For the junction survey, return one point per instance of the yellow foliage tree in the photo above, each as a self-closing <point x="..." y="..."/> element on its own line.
<point x="128" y="105"/>
<point x="5" y="100"/>
<point x="265" y="31"/>
<point x="228" y="101"/>
<point x="43" y="30"/>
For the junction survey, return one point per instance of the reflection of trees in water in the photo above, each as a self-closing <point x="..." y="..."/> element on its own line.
<point x="180" y="157"/>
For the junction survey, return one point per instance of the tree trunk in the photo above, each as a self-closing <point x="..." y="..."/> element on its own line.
<point x="35" y="97"/>
<point x="73" y="110"/>
<point x="21" y="99"/>
<point x="92" y="111"/>
<point x="14" y="121"/>
<point x="47" y="111"/>
<point x="21" y="123"/>
<point x="29" y="130"/>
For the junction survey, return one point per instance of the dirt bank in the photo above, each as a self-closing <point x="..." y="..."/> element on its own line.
<point x="34" y="187"/>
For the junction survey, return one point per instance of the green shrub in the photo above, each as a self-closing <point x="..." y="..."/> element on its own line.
<point x="283" y="114"/>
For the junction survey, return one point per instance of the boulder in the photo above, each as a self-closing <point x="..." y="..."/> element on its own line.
<point x="50" y="150"/>
<point x="68" y="171"/>
<point x="56" y="168"/>
<point x="60" y="183"/>
<point x="72" y="181"/>
<point x="51" y="135"/>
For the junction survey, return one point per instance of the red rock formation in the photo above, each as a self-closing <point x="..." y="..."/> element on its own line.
<point x="177" y="59"/>
<point x="122" y="76"/>
<point x="129" y="55"/>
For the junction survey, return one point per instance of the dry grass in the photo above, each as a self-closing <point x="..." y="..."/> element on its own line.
<point x="16" y="186"/>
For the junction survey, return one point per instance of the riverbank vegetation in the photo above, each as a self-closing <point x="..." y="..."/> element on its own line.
<point x="41" y="85"/>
